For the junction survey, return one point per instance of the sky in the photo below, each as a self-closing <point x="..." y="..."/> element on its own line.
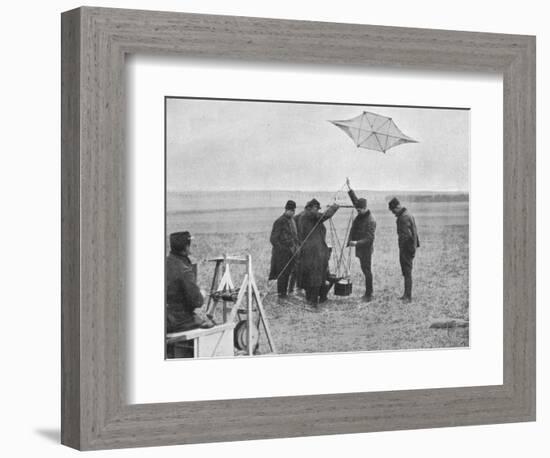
<point x="217" y="145"/>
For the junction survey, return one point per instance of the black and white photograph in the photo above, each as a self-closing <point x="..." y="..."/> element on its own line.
<point x="299" y="227"/>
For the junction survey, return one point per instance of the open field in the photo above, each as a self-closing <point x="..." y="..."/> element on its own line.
<point x="441" y="284"/>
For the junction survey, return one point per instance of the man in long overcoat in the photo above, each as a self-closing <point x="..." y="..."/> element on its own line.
<point x="407" y="237"/>
<point x="361" y="237"/>
<point x="284" y="239"/>
<point x="314" y="253"/>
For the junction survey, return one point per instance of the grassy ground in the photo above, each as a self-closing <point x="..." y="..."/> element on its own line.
<point x="345" y="323"/>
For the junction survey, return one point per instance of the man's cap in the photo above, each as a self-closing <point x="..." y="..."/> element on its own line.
<point x="290" y="205"/>
<point x="361" y="203"/>
<point x="313" y="203"/>
<point x="393" y="203"/>
<point x="180" y="240"/>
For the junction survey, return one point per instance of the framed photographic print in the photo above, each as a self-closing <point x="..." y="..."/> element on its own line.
<point x="331" y="226"/>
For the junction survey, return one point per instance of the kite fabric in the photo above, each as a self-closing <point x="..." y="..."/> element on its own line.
<point x="373" y="131"/>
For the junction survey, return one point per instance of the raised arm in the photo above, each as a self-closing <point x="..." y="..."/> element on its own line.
<point x="329" y="213"/>
<point x="351" y="193"/>
<point x="353" y="197"/>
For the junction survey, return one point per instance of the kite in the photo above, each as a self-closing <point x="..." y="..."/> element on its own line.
<point x="373" y="131"/>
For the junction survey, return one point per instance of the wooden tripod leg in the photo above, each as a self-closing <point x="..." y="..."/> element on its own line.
<point x="240" y="298"/>
<point x="211" y="305"/>
<point x="261" y="311"/>
<point x="249" y="319"/>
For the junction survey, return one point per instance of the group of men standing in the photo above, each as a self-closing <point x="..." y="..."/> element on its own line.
<point x="300" y="257"/>
<point x="300" y="254"/>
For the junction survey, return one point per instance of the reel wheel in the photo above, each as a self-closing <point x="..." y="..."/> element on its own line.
<point x="240" y="336"/>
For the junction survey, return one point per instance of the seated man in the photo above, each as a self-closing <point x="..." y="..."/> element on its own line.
<point x="183" y="295"/>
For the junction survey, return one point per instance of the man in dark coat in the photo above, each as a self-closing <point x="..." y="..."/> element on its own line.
<point x="314" y="253"/>
<point x="362" y="238"/>
<point x="284" y="238"/>
<point x="407" y="236"/>
<point x="183" y="295"/>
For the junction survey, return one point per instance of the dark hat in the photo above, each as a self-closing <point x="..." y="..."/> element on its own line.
<point x="361" y="203"/>
<point x="393" y="203"/>
<point x="290" y="205"/>
<point x="313" y="203"/>
<point x="180" y="240"/>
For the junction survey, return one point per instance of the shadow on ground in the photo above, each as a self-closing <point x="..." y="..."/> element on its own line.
<point x="53" y="435"/>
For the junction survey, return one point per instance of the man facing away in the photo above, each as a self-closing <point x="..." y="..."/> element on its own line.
<point x="361" y="237"/>
<point x="284" y="239"/>
<point x="407" y="236"/>
<point x="314" y="253"/>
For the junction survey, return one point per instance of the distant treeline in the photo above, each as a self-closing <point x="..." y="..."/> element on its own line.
<point x="447" y="197"/>
<point x="191" y="201"/>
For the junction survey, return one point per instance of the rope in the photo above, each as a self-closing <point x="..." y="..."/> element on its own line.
<point x="332" y="237"/>
<point x="339" y="191"/>
<point x="341" y="259"/>
<point x="349" y="262"/>
<point x="349" y="248"/>
<point x="337" y="253"/>
<point x="307" y="237"/>
<point x="293" y="256"/>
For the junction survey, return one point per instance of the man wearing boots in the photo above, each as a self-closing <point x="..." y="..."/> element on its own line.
<point x="408" y="243"/>
<point x="314" y="254"/>
<point x="284" y="239"/>
<point x="362" y="238"/>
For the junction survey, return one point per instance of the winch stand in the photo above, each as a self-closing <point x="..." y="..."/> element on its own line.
<point x="225" y="292"/>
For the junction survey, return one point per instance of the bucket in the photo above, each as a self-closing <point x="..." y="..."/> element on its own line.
<point x="343" y="287"/>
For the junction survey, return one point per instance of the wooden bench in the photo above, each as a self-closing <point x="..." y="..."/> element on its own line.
<point x="207" y="343"/>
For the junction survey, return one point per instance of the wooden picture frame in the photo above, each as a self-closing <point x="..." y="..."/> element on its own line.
<point x="95" y="413"/>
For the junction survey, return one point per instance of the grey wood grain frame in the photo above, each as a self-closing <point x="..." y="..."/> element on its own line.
<point x="95" y="410"/>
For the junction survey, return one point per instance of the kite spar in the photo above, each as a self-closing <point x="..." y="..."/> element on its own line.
<point x="373" y="131"/>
